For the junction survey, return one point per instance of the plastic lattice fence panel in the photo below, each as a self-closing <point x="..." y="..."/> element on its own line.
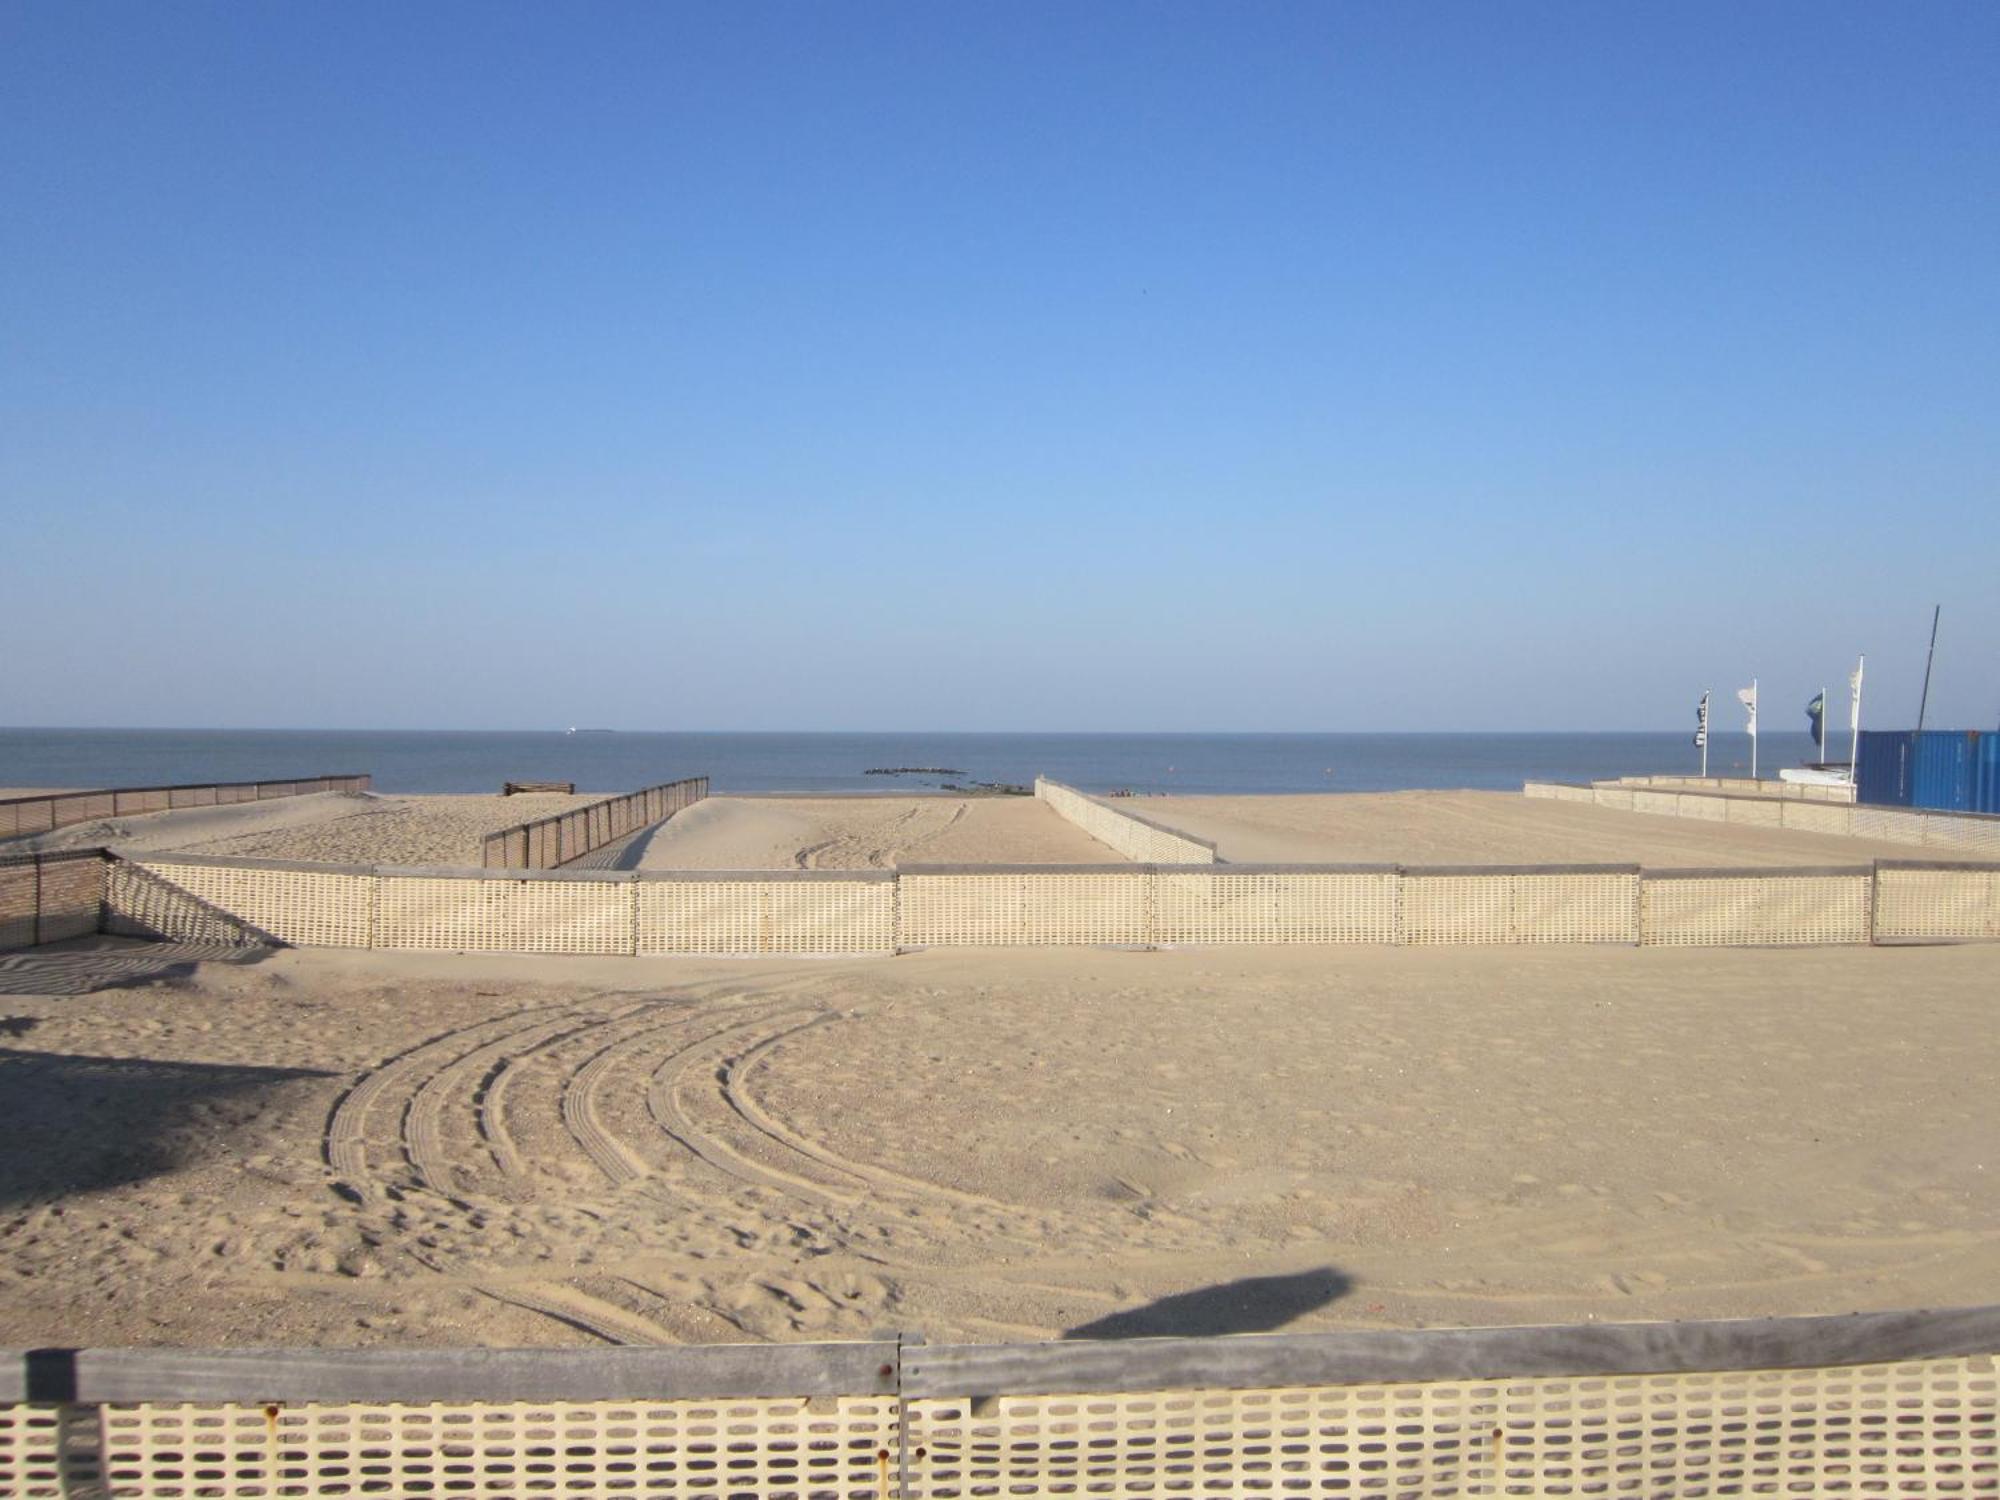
<point x="1454" y="909"/>
<point x="1938" y="904"/>
<point x="294" y="906"/>
<point x="1130" y="836"/>
<point x="1226" y="906"/>
<point x="1920" y="1429"/>
<point x="31" y="1453"/>
<point x="20" y="899"/>
<point x="1708" y="809"/>
<point x="1514" y="908"/>
<point x="1890" y="824"/>
<point x="1758" y="812"/>
<point x="1819" y="817"/>
<point x="760" y="1449"/>
<point x="1978" y="835"/>
<point x="1756" y="910"/>
<point x="766" y="916"/>
<point x="1575" y="908"/>
<point x="959" y="911"/>
<point x="1073" y="908"/>
<point x="138" y="902"/>
<point x="831" y="916"/>
<point x="496" y="913"/>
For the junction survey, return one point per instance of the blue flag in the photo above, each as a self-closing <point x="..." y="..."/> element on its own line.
<point x="1816" y="711"/>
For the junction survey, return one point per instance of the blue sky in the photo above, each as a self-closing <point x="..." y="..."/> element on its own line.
<point x="1036" y="367"/>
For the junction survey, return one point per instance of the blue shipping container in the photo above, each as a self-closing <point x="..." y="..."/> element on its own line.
<point x="1943" y="770"/>
<point x="1882" y="768"/>
<point x="1948" y="770"/>
<point x="1986" y="775"/>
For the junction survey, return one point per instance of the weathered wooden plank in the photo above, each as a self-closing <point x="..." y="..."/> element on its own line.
<point x="1255" y="1361"/>
<point x="693" y="1372"/>
<point x="1763" y="872"/>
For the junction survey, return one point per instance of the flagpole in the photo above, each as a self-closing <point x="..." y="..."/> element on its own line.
<point x="1704" y="734"/>
<point x="1753" y="729"/>
<point x="1854" y="753"/>
<point x="1822" y="729"/>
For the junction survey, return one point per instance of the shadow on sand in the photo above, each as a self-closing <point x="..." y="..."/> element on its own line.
<point x="92" y="964"/>
<point x="73" y="1124"/>
<point x="1255" y="1304"/>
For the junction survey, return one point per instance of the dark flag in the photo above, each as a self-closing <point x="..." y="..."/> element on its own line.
<point x="1816" y="711"/>
<point x="1701" y="722"/>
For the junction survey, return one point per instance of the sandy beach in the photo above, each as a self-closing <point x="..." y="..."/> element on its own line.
<point x="866" y="833"/>
<point x="1489" y="828"/>
<point x="364" y="1148"/>
<point x="327" y="827"/>
<point x="873" y="832"/>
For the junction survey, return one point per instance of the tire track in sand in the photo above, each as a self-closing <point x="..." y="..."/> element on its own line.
<point x="423" y="1115"/>
<point x="491" y="1098"/>
<point x="735" y="1080"/>
<point x="664" y="1103"/>
<point x="579" y="1310"/>
<point x="344" y="1141"/>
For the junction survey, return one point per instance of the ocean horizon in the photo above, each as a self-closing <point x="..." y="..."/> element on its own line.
<point x="417" y="761"/>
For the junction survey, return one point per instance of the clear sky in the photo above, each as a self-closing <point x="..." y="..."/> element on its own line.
<point x="1314" y="366"/>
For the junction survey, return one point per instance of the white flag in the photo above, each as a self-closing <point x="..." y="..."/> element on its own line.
<point x="1748" y="698"/>
<point x="1854" y="683"/>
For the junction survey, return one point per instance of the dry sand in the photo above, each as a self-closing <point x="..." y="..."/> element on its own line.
<point x="866" y="833"/>
<point x="1489" y="828"/>
<point x="327" y="827"/>
<point x="356" y="1148"/>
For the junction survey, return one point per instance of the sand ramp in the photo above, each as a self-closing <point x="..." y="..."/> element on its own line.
<point x="866" y="833"/>
<point x="1457" y="827"/>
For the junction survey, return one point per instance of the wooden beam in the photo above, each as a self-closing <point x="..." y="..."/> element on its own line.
<point x="694" y="1372"/>
<point x="1256" y="1361"/>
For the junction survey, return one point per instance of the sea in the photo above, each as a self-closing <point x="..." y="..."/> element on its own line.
<point x="615" y="761"/>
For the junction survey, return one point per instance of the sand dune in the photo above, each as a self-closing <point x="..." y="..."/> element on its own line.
<point x="357" y="1148"/>
<point x="1489" y="828"/>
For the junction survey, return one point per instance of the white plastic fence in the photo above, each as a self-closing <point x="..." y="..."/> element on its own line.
<point x="1129" y="834"/>
<point x="931" y="906"/>
<point x="1878" y="1404"/>
<point x="1899" y="825"/>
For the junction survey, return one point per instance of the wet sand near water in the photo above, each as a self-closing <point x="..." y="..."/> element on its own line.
<point x="1491" y="828"/>
<point x="328" y="1147"/>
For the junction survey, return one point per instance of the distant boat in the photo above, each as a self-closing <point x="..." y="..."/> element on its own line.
<point x="574" y="730"/>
